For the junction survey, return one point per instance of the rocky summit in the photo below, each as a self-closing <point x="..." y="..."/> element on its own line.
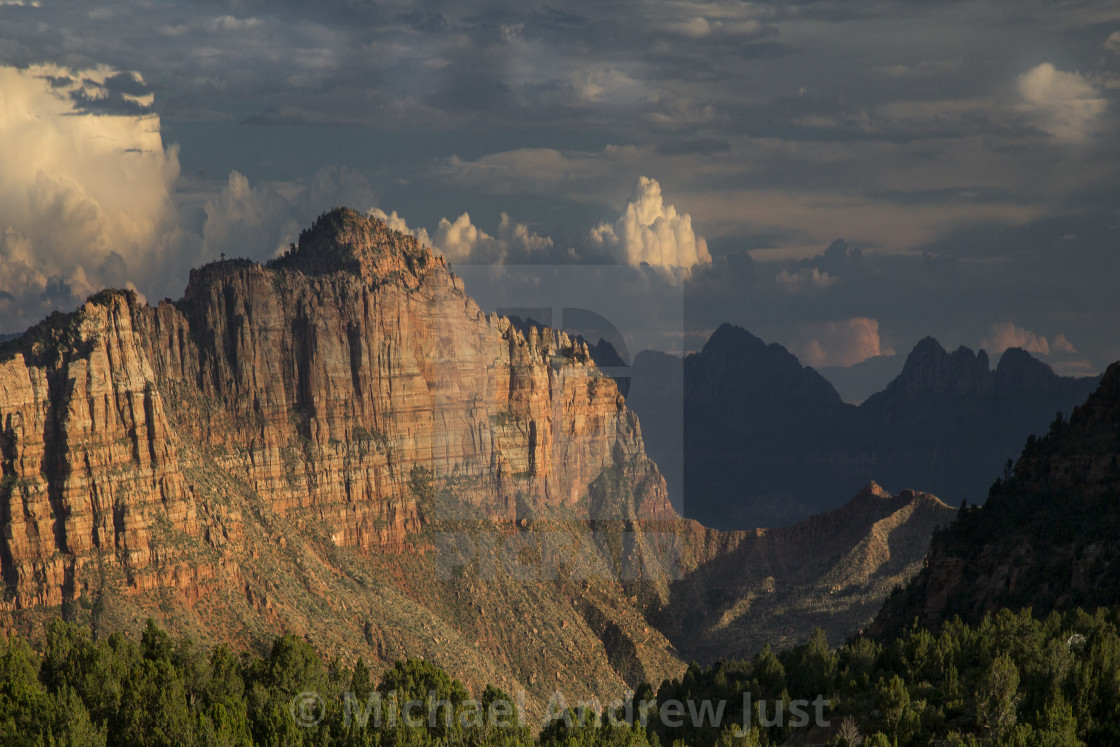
<point x="342" y="444"/>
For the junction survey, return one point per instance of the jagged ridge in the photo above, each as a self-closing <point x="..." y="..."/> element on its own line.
<point x="772" y="586"/>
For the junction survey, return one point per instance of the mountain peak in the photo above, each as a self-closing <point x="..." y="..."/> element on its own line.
<point x="1019" y="370"/>
<point x="929" y="368"/>
<point x="728" y="336"/>
<point x="344" y="240"/>
<point x="927" y="348"/>
<point x="873" y="490"/>
<point x="1044" y="540"/>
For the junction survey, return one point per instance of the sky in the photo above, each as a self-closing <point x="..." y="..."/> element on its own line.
<point x="843" y="178"/>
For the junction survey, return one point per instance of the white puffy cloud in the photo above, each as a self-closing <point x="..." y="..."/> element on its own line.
<point x="397" y="223"/>
<point x="1004" y="335"/>
<point x="840" y="343"/>
<point x="698" y="27"/>
<point x="1066" y="105"/>
<point x="85" y="193"/>
<point x="1112" y="43"/>
<point x="807" y="280"/>
<point x="651" y="232"/>
<point x="462" y="241"/>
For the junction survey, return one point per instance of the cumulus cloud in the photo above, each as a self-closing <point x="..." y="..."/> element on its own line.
<point x="610" y="85"/>
<point x="257" y="221"/>
<point x="1112" y="43"/>
<point x="243" y="221"/>
<point x="651" y="232"/>
<point x="1066" y="105"/>
<point x="698" y="27"/>
<point x="462" y="241"/>
<point x="806" y="280"/>
<point x="86" y="196"/>
<point x="85" y="192"/>
<point x="840" y="343"/>
<point x="1062" y="345"/>
<point x="1004" y="335"/>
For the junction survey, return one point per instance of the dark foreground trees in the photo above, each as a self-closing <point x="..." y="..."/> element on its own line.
<point x="1011" y="679"/>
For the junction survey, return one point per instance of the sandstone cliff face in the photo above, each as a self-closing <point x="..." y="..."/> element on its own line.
<point x="325" y="382"/>
<point x="278" y="449"/>
<point x="89" y="459"/>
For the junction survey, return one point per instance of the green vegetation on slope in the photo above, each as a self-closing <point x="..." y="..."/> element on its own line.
<point x="1011" y="679"/>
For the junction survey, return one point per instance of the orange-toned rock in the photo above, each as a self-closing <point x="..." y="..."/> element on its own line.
<point x="351" y="382"/>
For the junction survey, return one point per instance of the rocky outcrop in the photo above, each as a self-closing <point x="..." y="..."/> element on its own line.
<point x="89" y="456"/>
<point x="327" y="381"/>
<point x="931" y="370"/>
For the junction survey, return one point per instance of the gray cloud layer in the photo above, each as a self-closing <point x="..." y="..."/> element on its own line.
<point x="967" y="148"/>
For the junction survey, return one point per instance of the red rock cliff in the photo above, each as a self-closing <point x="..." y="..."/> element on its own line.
<point x="328" y="383"/>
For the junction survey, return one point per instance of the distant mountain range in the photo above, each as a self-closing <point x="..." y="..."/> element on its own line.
<point x="1045" y="539"/>
<point x="760" y="440"/>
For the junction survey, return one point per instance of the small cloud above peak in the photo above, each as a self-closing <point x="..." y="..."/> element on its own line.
<point x="1004" y="335"/>
<point x="1062" y="345"/>
<point x="460" y="240"/>
<point x="845" y="342"/>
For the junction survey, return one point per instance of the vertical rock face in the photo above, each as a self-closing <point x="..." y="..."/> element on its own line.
<point x="87" y="453"/>
<point x="347" y="382"/>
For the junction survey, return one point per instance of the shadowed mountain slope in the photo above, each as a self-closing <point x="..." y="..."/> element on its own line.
<point x="770" y="586"/>
<point x="1045" y="539"/>
<point x="767" y="442"/>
